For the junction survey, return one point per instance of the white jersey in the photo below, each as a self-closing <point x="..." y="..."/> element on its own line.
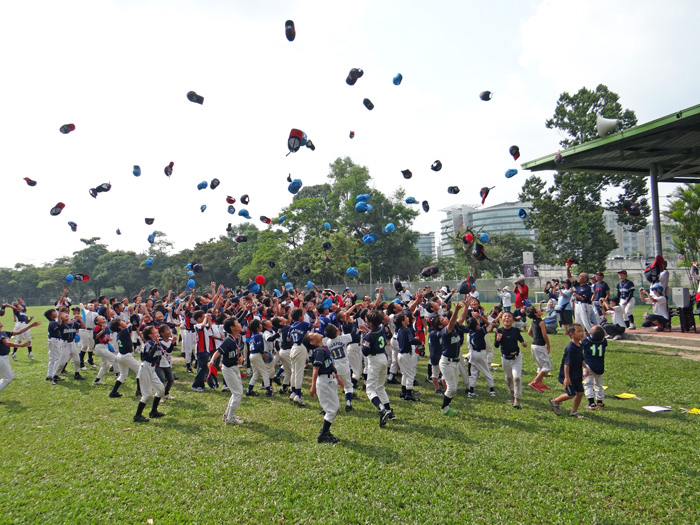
<point x="618" y="315"/>
<point x="338" y="345"/>
<point x="90" y="319"/>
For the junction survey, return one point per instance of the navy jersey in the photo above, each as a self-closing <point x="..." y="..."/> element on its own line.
<point x="594" y="354"/>
<point x="104" y="338"/>
<point x="584" y="291"/>
<point x="68" y="330"/>
<point x="230" y="351"/>
<point x="625" y="289"/>
<point x="451" y="342"/>
<point x="4" y="349"/>
<point x="21" y="315"/>
<point x="600" y="290"/>
<point x="374" y="342"/>
<point x="573" y="356"/>
<point x="152" y="352"/>
<point x="298" y="330"/>
<point x="477" y="339"/>
<point x="54" y="330"/>
<point x="509" y="342"/>
<point x="257" y="344"/>
<point x="322" y="360"/>
<point x="285" y="342"/>
<point x="124" y="341"/>
<point x="406" y="340"/>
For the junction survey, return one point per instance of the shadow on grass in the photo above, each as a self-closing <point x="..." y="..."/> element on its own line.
<point x="13" y="407"/>
<point x="378" y="453"/>
<point x="405" y="427"/>
<point x="275" y="433"/>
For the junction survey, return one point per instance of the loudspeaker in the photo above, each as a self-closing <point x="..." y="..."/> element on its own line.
<point x="605" y="125"/>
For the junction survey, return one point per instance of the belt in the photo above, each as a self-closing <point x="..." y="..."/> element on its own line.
<point x="452" y="359"/>
<point x="511" y="357"/>
<point x="326" y="375"/>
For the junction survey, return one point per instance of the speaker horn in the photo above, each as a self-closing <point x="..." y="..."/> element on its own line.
<point x="605" y="125"/>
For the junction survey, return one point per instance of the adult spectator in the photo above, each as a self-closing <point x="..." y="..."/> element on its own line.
<point x="522" y="292"/>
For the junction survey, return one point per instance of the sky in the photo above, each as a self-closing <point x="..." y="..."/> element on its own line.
<point x="120" y="71"/>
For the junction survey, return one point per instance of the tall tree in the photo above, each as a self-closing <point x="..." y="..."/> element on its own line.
<point x="568" y="215"/>
<point x="684" y="212"/>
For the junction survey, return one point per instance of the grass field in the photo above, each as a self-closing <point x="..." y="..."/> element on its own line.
<point x="72" y="455"/>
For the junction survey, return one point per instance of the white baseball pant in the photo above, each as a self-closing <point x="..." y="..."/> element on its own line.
<point x="354" y="354"/>
<point x="450" y="373"/>
<point x="394" y="368"/>
<point x="6" y="373"/>
<point x="593" y="386"/>
<point x="232" y="376"/>
<point x="628" y="307"/>
<point x="188" y="345"/>
<point x="149" y="382"/>
<point x="257" y="363"/>
<point x="327" y="391"/>
<point x="541" y="357"/>
<point x="107" y="358"/>
<point x="298" y="354"/>
<point x="490" y="351"/>
<point x="513" y="369"/>
<point x="582" y="316"/>
<point x="342" y="369"/>
<point x="480" y="365"/>
<point x="376" y="377"/>
<point x="68" y="350"/>
<point x="286" y="360"/>
<point x="55" y="347"/>
<point x="462" y="369"/>
<point x="408" y="363"/>
<point x="87" y="341"/>
<point x="26" y="336"/>
<point x="127" y="362"/>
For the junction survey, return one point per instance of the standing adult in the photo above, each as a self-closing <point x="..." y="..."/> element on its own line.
<point x="601" y="291"/>
<point x="522" y="293"/>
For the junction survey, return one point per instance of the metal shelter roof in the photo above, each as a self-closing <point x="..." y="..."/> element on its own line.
<point x="670" y="145"/>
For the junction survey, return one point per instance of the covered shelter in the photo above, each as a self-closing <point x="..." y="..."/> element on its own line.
<point x="666" y="150"/>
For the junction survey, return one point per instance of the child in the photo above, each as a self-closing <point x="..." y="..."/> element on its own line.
<point x="298" y="353"/>
<point x="164" y="368"/>
<point x="54" y="345"/>
<point x="478" y="354"/>
<point x="594" y="346"/>
<point x="231" y="352"/>
<point x="617" y="327"/>
<point x="505" y="298"/>
<point x="101" y="334"/>
<point x="125" y="357"/>
<point x="407" y="356"/>
<point x="325" y="381"/>
<point x="257" y="363"/>
<point x="451" y="356"/>
<point x="540" y="347"/>
<point x="6" y="374"/>
<point x="147" y="376"/>
<point x="507" y="339"/>
<point x="373" y="348"/>
<point x="337" y="345"/>
<point x="571" y="372"/>
<point x="21" y="321"/>
<point x="202" y="332"/>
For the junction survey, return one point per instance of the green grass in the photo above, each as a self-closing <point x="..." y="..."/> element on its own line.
<point x="72" y="455"/>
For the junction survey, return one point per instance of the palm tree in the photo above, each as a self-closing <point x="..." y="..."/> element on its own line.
<point x="684" y="212"/>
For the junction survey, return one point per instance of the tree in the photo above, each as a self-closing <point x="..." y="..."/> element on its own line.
<point x="568" y="216"/>
<point x="684" y="211"/>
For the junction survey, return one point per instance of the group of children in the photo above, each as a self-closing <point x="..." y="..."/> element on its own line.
<point x="273" y="339"/>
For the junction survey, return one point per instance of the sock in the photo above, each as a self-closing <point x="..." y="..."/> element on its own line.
<point x="631" y="319"/>
<point x="250" y="387"/>
<point x="29" y="349"/>
<point x="91" y="359"/>
<point x="138" y="385"/>
<point x="430" y="371"/>
<point x="156" y="402"/>
<point x="491" y="389"/>
<point x="403" y="389"/>
<point x="469" y="368"/>
<point x="348" y="398"/>
<point x="600" y="401"/>
<point x="139" y="409"/>
<point x="591" y="401"/>
<point x="386" y="405"/>
<point x="375" y="401"/>
<point x="445" y="401"/>
<point x="409" y="393"/>
<point x="82" y="358"/>
<point x="354" y="382"/>
<point x="326" y="427"/>
<point x="267" y="388"/>
<point x="471" y="389"/>
<point x="280" y="370"/>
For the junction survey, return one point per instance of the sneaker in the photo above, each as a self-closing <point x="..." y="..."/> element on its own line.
<point x="439" y="391"/>
<point x="300" y="401"/>
<point x="391" y="416"/>
<point x="239" y="420"/>
<point x="225" y="389"/>
<point x="78" y="377"/>
<point x="141" y="419"/>
<point x="63" y="373"/>
<point x="322" y="412"/>
<point x="535" y="387"/>
<point x="617" y="338"/>
<point x="600" y="404"/>
<point x="449" y="412"/>
<point x="54" y="382"/>
<point x="472" y="394"/>
<point x="632" y="327"/>
<point x="277" y="381"/>
<point x="251" y="393"/>
<point x="348" y="408"/>
<point x="544" y="387"/>
<point x="83" y="368"/>
<point x="114" y="394"/>
<point x="168" y="396"/>
<point x="156" y="414"/>
<point x="555" y="407"/>
<point x="292" y="396"/>
<point x="98" y="382"/>
<point x="197" y="389"/>
<point x="233" y="421"/>
<point x="48" y="378"/>
<point x="516" y="404"/>
<point x="327" y="438"/>
<point x="492" y="393"/>
<point x="189" y="370"/>
<point x="402" y="395"/>
<point x="410" y="398"/>
<point x="268" y="393"/>
<point x="383" y="416"/>
<point x="590" y="407"/>
<point x="30" y="355"/>
<point x="92" y="365"/>
<point x="14" y="356"/>
<point x="578" y="415"/>
<point x="392" y="381"/>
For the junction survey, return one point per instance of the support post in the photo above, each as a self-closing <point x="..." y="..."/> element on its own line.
<point x="655" y="173"/>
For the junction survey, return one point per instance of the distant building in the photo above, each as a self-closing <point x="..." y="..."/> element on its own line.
<point x="499" y="219"/>
<point x="426" y="244"/>
<point x="630" y="243"/>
